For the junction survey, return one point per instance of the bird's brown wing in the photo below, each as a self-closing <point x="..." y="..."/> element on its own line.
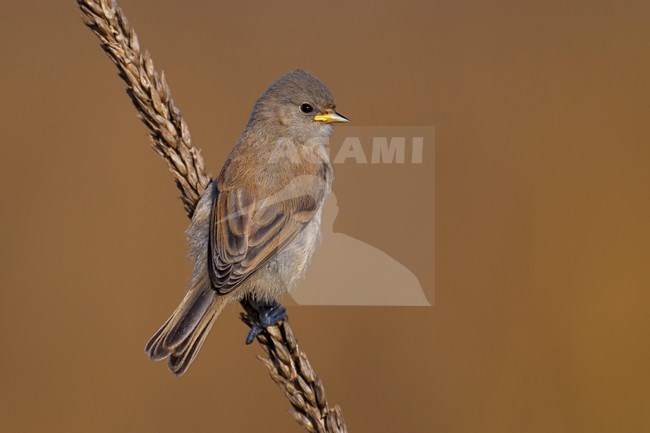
<point x="246" y="231"/>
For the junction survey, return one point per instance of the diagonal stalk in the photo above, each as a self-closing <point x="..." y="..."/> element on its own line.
<point x="288" y="365"/>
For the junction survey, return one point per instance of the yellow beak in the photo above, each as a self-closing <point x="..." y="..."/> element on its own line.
<point x="330" y="116"/>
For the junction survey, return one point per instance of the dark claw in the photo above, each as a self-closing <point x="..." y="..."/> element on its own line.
<point x="265" y="315"/>
<point x="253" y="333"/>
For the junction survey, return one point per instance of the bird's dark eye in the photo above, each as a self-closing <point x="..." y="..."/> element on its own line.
<point x="306" y="108"/>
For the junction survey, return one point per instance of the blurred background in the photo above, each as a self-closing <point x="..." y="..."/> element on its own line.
<point x="540" y="321"/>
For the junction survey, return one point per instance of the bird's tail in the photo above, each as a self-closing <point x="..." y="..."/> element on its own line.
<point x="181" y="337"/>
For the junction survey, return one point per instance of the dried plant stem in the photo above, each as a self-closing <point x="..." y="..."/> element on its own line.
<point x="170" y="136"/>
<point x="151" y="96"/>
<point x="291" y="370"/>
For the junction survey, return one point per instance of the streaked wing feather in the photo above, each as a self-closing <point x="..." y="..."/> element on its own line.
<point x="246" y="233"/>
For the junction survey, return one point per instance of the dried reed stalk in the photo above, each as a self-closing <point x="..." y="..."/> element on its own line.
<point x="291" y="370"/>
<point x="170" y="136"/>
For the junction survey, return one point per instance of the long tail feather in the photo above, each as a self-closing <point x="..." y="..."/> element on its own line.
<point x="182" y="335"/>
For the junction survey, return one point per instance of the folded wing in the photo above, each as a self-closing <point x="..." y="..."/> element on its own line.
<point x="247" y="230"/>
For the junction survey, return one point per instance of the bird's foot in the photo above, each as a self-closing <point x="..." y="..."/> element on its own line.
<point x="265" y="315"/>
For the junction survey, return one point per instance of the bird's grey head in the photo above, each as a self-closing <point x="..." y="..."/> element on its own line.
<point x="297" y="105"/>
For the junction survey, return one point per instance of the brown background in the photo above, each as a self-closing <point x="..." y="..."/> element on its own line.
<point x="541" y="316"/>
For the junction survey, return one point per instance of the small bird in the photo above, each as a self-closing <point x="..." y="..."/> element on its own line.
<point x="257" y="225"/>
